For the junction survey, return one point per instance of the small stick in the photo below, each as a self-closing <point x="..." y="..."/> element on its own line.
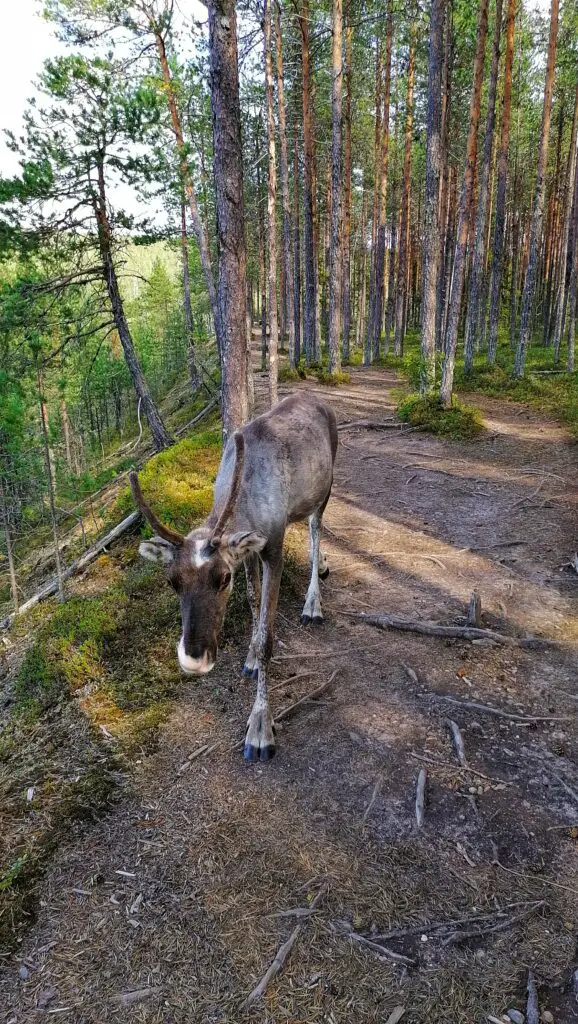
<point x="501" y="926"/>
<point x="308" y="696"/>
<point x="475" y="706"/>
<point x="528" y="496"/>
<point x="426" y="628"/>
<point x="458" y="741"/>
<point x="532" y="1007"/>
<point x="396" y="957"/>
<point x="396" y="1015"/>
<point x="411" y="673"/>
<point x="468" y="768"/>
<point x="438" y="927"/>
<point x="374" y="796"/>
<point x="371" y="425"/>
<point x="420" y="797"/>
<point x="280" y="958"/>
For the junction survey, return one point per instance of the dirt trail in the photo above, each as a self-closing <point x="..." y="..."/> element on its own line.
<point x="173" y="895"/>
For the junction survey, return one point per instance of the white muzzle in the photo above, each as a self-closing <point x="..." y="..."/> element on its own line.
<point x="194" y="666"/>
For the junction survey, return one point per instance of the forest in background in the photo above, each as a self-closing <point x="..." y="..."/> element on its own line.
<point x="404" y="190"/>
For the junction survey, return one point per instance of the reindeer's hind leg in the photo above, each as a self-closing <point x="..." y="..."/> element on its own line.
<point x="312" y="607"/>
<point x="253" y="574"/>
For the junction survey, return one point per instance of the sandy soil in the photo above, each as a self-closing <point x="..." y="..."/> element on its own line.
<point x="169" y="909"/>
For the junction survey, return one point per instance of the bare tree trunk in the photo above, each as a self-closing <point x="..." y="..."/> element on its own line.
<point x="498" y="244"/>
<point x="573" y="285"/>
<point x="228" y="172"/>
<point x="296" y="252"/>
<point x="445" y="191"/>
<point x="471" y="340"/>
<point x="431" y="244"/>
<point x="376" y="312"/>
<point x="336" y="265"/>
<point x="360" y="333"/>
<point x="368" y="346"/>
<point x="402" y="272"/>
<point x="347" y="189"/>
<point x="187" y="307"/>
<point x="160" y="435"/>
<point x="465" y="212"/>
<point x="565" y="237"/>
<point x="262" y="272"/>
<point x="198" y="226"/>
<point x="538" y="210"/>
<point x="310" y="311"/>
<point x="5" y="520"/>
<point x="49" y="481"/>
<point x="66" y="432"/>
<point x="289" y="290"/>
<point x="271" y="208"/>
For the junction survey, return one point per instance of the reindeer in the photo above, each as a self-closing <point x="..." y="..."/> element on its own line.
<point x="276" y="470"/>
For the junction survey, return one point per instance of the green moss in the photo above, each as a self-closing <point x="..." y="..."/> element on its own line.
<point x="333" y="380"/>
<point x="287" y="374"/>
<point x="461" y="422"/>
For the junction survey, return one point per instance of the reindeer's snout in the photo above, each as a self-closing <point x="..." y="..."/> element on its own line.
<point x="195" y="666"/>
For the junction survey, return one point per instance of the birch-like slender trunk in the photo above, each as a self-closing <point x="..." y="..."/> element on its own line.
<point x="376" y="312"/>
<point x="296" y="251"/>
<point x="538" y="208"/>
<point x="310" y="304"/>
<point x="271" y="208"/>
<point x="347" y="188"/>
<point x="464" y="218"/>
<point x="5" y="519"/>
<point x="289" y="290"/>
<point x="336" y="264"/>
<point x="561" y="296"/>
<point x="403" y="257"/>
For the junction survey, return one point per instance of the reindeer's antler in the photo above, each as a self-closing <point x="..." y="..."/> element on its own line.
<point x="163" y="531"/>
<point x="234" y="491"/>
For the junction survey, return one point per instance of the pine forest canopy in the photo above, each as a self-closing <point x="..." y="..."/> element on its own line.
<point x="357" y="182"/>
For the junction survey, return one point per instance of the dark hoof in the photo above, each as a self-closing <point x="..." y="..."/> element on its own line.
<point x="267" y="753"/>
<point x="323" y="575"/>
<point x="317" y="620"/>
<point x="252" y="673"/>
<point x="305" y="620"/>
<point x="250" y="753"/>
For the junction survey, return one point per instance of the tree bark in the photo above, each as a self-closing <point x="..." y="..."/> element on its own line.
<point x="228" y="173"/>
<point x="187" y="307"/>
<point x="402" y="270"/>
<point x="66" y="432"/>
<point x="347" y="188"/>
<point x="573" y="285"/>
<point x="5" y="520"/>
<point x="50" y="481"/>
<point x="289" y="290"/>
<point x="262" y="271"/>
<point x="296" y="251"/>
<point x="538" y="209"/>
<point x="368" y="346"/>
<point x="464" y="218"/>
<point x="160" y="435"/>
<point x="431" y="243"/>
<point x="471" y="340"/>
<point x="499" y="229"/>
<point x="310" y="311"/>
<point x="336" y="265"/>
<point x="376" y="313"/>
<point x="186" y="178"/>
<point x="271" y="207"/>
<point x="560" y="307"/>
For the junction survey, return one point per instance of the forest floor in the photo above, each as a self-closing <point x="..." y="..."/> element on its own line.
<point x="172" y="906"/>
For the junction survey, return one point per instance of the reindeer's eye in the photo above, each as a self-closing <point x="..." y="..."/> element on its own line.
<point x="224" y="580"/>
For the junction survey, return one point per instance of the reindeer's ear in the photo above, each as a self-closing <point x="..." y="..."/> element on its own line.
<point x="157" y="550"/>
<point x="239" y="545"/>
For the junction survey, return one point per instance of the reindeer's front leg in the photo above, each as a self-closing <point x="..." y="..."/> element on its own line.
<point x="260" y="739"/>
<point x="253" y="575"/>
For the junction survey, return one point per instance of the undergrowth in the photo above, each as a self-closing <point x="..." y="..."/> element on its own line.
<point x="460" y="422"/>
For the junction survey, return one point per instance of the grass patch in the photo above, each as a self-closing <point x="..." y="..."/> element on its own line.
<point x="460" y="422"/>
<point x="332" y="380"/>
<point x="288" y="374"/>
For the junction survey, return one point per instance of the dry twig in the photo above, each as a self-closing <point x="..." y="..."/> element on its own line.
<point x="374" y="796"/>
<point x="514" y="715"/>
<point x="458" y="741"/>
<point x="420" y="797"/>
<point x="308" y="696"/>
<point x="500" y="926"/>
<point x="385" y="621"/>
<point x="532" y="1007"/>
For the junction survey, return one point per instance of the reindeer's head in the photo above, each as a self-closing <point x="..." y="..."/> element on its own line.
<point x="200" y="568"/>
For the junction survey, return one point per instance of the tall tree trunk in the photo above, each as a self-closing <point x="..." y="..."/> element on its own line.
<point x="289" y="290"/>
<point x="560" y="307"/>
<point x="347" y="187"/>
<point x="66" y="432"/>
<point x="538" y="209"/>
<point x="160" y="435"/>
<point x="49" y="480"/>
<point x="186" y="177"/>
<point x="296" y="251"/>
<point x="464" y="218"/>
<point x="402" y="271"/>
<point x="228" y="173"/>
<point x="310" y="310"/>
<point x="336" y="265"/>
<point x="376" y="313"/>
<point x="187" y="307"/>
<point x="368" y="346"/>
<point x="573" y="285"/>
<point x="498" y="244"/>
<point x="271" y="208"/>
<point x="262" y="271"/>
<point x="5" y="521"/>
<point x="445" y="192"/>
<point x="431" y="243"/>
<point x="471" y="340"/>
<point x="360" y="332"/>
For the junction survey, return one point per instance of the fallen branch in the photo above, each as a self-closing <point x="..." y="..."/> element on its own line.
<point x="436" y="928"/>
<point x="378" y="948"/>
<point x="528" y="497"/>
<point x="200" y="415"/>
<point x="374" y="796"/>
<point x="465" y="768"/>
<point x="384" y="621"/>
<point x="89" y="556"/>
<point x="514" y="716"/>
<point x="457" y="741"/>
<point x="501" y="926"/>
<point x="371" y="425"/>
<point x="279" y="961"/>
<point x="420" y="797"/>
<point x="532" y="1006"/>
<point x="308" y="696"/>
